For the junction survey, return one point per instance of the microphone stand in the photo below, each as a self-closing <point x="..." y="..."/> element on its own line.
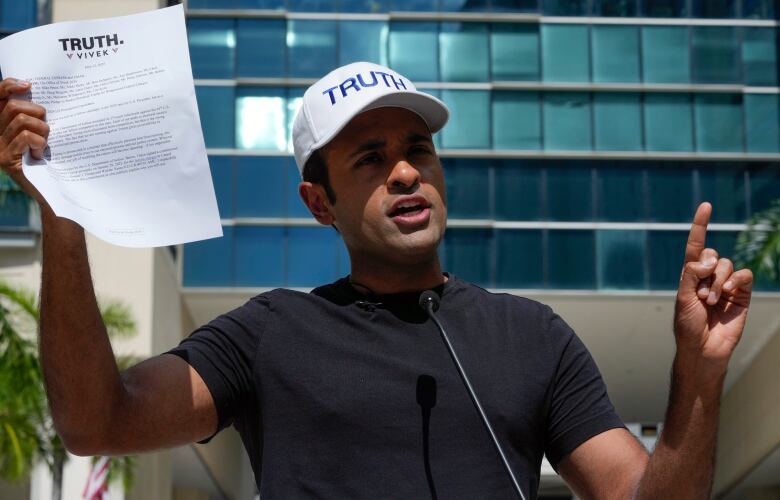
<point x="429" y="302"/>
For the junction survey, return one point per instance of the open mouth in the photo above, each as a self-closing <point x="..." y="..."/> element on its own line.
<point x="409" y="208"/>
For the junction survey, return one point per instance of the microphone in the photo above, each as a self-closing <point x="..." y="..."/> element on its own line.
<point x="429" y="302"/>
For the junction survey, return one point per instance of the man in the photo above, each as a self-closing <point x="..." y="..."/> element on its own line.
<point x="347" y="392"/>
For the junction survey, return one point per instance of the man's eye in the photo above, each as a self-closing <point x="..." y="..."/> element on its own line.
<point x="370" y="159"/>
<point x="419" y="150"/>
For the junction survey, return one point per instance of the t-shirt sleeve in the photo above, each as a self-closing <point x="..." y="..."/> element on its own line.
<point x="580" y="407"/>
<point x="223" y="353"/>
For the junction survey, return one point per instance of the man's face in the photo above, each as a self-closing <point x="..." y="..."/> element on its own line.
<point x="389" y="186"/>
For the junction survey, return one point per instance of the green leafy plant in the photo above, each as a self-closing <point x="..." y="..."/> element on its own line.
<point x="758" y="247"/>
<point x="26" y="430"/>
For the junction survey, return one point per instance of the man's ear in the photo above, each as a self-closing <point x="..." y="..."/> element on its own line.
<point x="315" y="198"/>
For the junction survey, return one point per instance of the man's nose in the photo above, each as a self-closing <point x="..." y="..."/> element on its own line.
<point x="404" y="175"/>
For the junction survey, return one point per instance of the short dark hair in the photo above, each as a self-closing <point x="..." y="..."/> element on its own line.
<point x="316" y="171"/>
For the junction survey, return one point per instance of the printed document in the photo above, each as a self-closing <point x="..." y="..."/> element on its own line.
<point x="125" y="158"/>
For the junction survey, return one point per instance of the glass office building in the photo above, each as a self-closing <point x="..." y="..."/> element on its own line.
<point x="583" y="133"/>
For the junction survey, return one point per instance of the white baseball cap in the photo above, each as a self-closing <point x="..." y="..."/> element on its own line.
<point x="345" y="92"/>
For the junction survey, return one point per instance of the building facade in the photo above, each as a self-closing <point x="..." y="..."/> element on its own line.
<point x="582" y="136"/>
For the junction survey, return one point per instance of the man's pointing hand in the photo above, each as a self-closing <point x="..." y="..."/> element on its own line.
<point x="712" y="300"/>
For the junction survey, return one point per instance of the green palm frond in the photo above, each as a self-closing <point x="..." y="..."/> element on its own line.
<point x="758" y="247"/>
<point x="118" y="319"/>
<point x="27" y="433"/>
<point x="121" y="469"/>
<point x="21" y="298"/>
<point x="18" y="447"/>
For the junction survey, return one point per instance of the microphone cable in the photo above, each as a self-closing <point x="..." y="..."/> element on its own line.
<point x="429" y="302"/>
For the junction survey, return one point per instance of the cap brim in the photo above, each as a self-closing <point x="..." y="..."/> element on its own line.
<point x="433" y="111"/>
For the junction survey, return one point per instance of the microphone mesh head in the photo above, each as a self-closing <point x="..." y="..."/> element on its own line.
<point x="429" y="297"/>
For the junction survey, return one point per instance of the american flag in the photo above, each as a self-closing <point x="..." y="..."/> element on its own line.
<point x="97" y="482"/>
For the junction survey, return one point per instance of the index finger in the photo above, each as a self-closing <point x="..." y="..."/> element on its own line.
<point x="12" y="86"/>
<point x="698" y="234"/>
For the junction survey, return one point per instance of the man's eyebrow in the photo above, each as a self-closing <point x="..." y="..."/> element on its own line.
<point x="369" y="145"/>
<point x="414" y="137"/>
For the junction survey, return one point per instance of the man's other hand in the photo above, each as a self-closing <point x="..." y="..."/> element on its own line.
<point x="22" y="128"/>
<point x="712" y="300"/>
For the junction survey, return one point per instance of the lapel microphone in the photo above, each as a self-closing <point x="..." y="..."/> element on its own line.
<point x="429" y="302"/>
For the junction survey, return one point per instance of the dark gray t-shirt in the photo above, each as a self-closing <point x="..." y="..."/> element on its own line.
<point x="339" y="395"/>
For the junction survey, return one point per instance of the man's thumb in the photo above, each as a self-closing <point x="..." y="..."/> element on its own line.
<point x="693" y="272"/>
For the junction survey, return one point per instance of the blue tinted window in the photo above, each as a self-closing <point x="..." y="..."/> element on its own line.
<point x="664" y="8"/>
<point x="519" y="259"/>
<point x="565" y="7"/>
<point x="14" y="208"/>
<point x="665" y="252"/>
<point x="759" y="56"/>
<point x="414" y="50"/>
<point x="764" y="187"/>
<point x="209" y="262"/>
<point x="415" y="5"/>
<point x="469" y="125"/>
<point x="211" y="4"/>
<point x="724" y="187"/>
<point x="665" y="54"/>
<point x="468" y="188"/>
<point x="294" y="204"/>
<point x="518" y="190"/>
<point x="719" y="122"/>
<point x="212" y="46"/>
<point x="270" y="34"/>
<point x="467" y="254"/>
<point x="571" y="258"/>
<point x="670" y="193"/>
<point x="17" y="14"/>
<point x="758" y="9"/>
<point x="620" y="195"/>
<point x="515" y="5"/>
<point x="714" y="8"/>
<point x="261" y="118"/>
<point x="259" y="257"/>
<point x="363" y="41"/>
<point x="311" y="256"/>
<point x="373" y="6"/>
<point x="514" y="51"/>
<point x="615" y="54"/>
<point x="258" y="4"/>
<point x="621" y="259"/>
<point x="260" y="183"/>
<point x="668" y="122"/>
<point x="463" y="52"/>
<point x="722" y="241"/>
<point x="569" y="192"/>
<point x="464" y="5"/>
<point x="311" y="47"/>
<point x="565" y="53"/>
<point x="294" y="100"/>
<point x="567" y="121"/>
<point x="312" y="5"/>
<point x="618" y="121"/>
<point x="216" y="105"/>
<point x="222" y="177"/>
<point x="516" y="120"/>
<point x="762" y="117"/>
<point x="615" y="8"/>
<point x="715" y="54"/>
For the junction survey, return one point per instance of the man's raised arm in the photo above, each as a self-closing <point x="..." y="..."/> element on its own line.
<point x="158" y="403"/>
<point x="710" y="313"/>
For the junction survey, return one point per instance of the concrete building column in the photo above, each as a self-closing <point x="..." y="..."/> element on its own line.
<point x="750" y="419"/>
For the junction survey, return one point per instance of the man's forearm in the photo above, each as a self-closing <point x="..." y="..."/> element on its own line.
<point x="81" y="375"/>
<point x="683" y="462"/>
